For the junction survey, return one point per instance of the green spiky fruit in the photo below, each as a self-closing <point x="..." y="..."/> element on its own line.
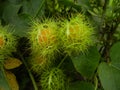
<point x="2" y="41"/>
<point x="53" y="80"/>
<point x="39" y="64"/>
<point x="43" y="39"/>
<point x="77" y="35"/>
<point x="7" y="41"/>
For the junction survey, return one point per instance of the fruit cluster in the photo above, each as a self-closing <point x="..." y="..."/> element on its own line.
<point x="50" y="38"/>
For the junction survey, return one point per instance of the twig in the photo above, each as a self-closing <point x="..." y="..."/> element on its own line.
<point x="62" y="61"/>
<point x="29" y="72"/>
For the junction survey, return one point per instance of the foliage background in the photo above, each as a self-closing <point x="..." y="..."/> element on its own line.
<point x="97" y="70"/>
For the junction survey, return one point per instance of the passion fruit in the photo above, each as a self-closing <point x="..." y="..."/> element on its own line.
<point x="7" y="41"/>
<point x="2" y="41"/>
<point x="39" y="64"/>
<point x="53" y="79"/>
<point x="77" y="35"/>
<point x="43" y="39"/>
<point x="46" y="37"/>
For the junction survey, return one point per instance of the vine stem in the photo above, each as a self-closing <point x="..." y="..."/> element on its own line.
<point x="96" y="83"/>
<point x="62" y="61"/>
<point x="29" y="72"/>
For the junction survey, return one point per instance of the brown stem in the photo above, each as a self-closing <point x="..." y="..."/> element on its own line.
<point x="109" y="40"/>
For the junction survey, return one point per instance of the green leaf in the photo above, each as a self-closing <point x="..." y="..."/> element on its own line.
<point x="3" y="83"/>
<point x="86" y="64"/>
<point x="33" y="7"/>
<point x="115" y="55"/>
<point x="81" y="85"/>
<point x="20" y="15"/>
<point x="10" y="12"/>
<point x="10" y="16"/>
<point x="109" y="77"/>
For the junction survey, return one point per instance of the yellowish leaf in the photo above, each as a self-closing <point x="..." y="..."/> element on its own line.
<point x="1" y="88"/>
<point x="11" y="78"/>
<point x="12" y="63"/>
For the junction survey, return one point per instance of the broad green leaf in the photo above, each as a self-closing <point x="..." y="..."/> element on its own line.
<point x="10" y="16"/>
<point x="115" y="55"/>
<point x="20" y="15"/>
<point x="3" y="83"/>
<point x="10" y="12"/>
<point x="86" y="64"/>
<point x="33" y="7"/>
<point x="109" y="77"/>
<point x="81" y="85"/>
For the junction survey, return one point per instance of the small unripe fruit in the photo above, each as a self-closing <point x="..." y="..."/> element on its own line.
<point x="43" y="39"/>
<point x="77" y="35"/>
<point x="2" y="42"/>
<point x="39" y="64"/>
<point x="7" y="41"/>
<point x="53" y="79"/>
<point x="46" y="36"/>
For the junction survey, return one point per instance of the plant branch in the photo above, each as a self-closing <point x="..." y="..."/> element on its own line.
<point x="29" y="72"/>
<point x="96" y="82"/>
<point x="109" y="40"/>
<point x="62" y="61"/>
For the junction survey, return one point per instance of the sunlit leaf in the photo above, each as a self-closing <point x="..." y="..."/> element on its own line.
<point x="12" y="63"/>
<point x="11" y="78"/>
